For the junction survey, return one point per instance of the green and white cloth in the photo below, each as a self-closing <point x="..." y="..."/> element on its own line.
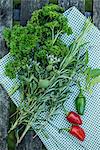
<point x="91" y="119"/>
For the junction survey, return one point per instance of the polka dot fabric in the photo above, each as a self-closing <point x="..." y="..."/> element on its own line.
<point x="91" y="119"/>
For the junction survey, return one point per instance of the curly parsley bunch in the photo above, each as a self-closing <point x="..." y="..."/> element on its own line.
<point x="37" y="39"/>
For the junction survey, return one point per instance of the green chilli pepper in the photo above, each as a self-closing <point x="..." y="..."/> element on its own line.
<point x="80" y="103"/>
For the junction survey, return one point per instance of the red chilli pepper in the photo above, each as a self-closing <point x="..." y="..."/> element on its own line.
<point x="77" y="132"/>
<point x="74" y="118"/>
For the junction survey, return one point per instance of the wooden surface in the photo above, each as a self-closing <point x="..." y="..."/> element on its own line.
<point x="5" y="21"/>
<point x="80" y="4"/>
<point x="96" y="13"/>
<point x="27" y="7"/>
<point x="4" y="121"/>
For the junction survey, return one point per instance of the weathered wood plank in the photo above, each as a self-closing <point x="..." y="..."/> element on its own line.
<point x="16" y="14"/>
<point x="5" y="21"/>
<point x="80" y="4"/>
<point x="96" y="13"/>
<point x="3" y="118"/>
<point x="28" y="6"/>
<point x="4" y="105"/>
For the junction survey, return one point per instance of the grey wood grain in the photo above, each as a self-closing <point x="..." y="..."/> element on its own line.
<point x="28" y="6"/>
<point x="4" y="106"/>
<point x="80" y="4"/>
<point x="96" y="13"/>
<point x="5" y="21"/>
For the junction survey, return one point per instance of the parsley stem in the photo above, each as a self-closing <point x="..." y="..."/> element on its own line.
<point x="56" y="36"/>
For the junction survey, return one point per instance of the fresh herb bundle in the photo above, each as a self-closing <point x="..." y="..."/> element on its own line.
<point x="44" y="64"/>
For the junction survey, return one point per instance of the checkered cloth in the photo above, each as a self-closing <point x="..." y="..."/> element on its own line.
<point x="91" y="119"/>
